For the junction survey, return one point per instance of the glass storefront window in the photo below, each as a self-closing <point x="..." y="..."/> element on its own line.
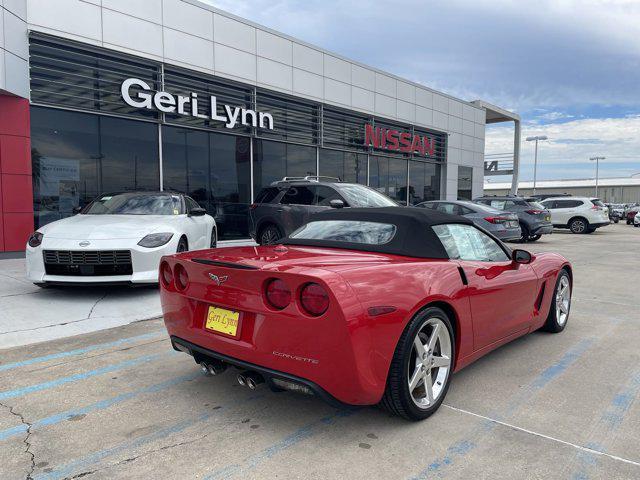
<point x="349" y="166"/>
<point x="274" y="160"/>
<point x="214" y="169"/>
<point x="465" y="180"/>
<point x="388" y="175"/>
<point x="77" y="156"/>
<point x="424" y="182"/>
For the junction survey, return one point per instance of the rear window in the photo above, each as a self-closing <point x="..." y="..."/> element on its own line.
<point x="351" y="231"/>
<point x="536" y="205"/>
<point x="597" y="203"/>
<point x="267" y="195"/>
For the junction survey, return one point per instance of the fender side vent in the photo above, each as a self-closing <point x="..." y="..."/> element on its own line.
<point x="540" y="296"/>
<point x="463" y="276"/>
<point x="217" y="263"/>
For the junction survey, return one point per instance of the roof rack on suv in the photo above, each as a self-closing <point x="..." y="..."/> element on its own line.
<point x="311" y="178"/>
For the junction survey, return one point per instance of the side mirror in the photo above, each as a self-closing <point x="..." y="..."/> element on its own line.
<point x="76" y="210"/>
<point x="336" y="203"/>
<point x="197" y="212"/>
<point x="521" y="256"/>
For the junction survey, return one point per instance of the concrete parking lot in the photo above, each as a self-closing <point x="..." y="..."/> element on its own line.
<point x="121" y="404"/>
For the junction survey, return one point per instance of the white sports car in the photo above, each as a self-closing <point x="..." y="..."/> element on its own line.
<point x="118" y="238"/>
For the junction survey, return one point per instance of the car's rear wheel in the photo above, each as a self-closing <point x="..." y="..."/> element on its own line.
<point x="421" y="368"/>
<point x="578" y="225"/>
<point x="534" y="238"/>
<point x="269" y="235"/>
<point x="560" y="304"/>
<point x="183" y="246"/>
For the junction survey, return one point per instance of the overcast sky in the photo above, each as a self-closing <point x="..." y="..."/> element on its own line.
<point x="570" y="68"/>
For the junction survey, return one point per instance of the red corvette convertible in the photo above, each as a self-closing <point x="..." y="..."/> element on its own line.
<point x="362" y="306"/>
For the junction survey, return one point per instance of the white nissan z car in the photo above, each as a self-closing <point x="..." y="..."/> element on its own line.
<point x="118" y="239"/>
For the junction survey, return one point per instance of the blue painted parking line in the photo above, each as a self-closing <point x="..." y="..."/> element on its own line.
<point x="101" y="405"/>
<point x="460" y="449"/>
<point x="609" y="422"/>
<point x="18" y="392"/>
<point x="90" y="461"/>
<point x="80" y="351"/>
<point x="295" y="438"/>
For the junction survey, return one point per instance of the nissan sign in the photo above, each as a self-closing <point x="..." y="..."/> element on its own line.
<point x="138" y="94"/>
<point x="397" y="141"/>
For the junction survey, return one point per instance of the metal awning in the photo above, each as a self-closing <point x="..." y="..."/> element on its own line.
<point x="501" y="164"/>
<point x="496" y="114"/>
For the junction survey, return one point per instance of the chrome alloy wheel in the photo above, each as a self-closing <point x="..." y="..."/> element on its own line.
<point x="429" y="362"/>
<point x="563" y="300"/>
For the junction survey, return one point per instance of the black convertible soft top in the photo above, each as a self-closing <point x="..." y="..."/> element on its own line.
<point x="414" y="236"/>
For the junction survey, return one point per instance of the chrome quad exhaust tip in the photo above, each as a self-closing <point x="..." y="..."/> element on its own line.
<point x="250" y="379"/>
<point x="212" y="368"/>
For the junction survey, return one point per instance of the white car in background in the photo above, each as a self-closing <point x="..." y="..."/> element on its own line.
<point x="578" y="214"/>
<point x="636" y="220"/>
<point x="118" y="238"/>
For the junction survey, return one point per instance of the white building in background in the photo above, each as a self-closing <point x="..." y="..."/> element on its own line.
<point x="610" y="190"/>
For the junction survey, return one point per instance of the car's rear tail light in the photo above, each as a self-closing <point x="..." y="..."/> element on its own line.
<point x="596" y="207"/>
<point x="534" y="212"/>
<point x="182" y="278"/>
<point x="277" y="293"/>
<point x="497" y="219"/>
<point x="314" y="299"/>
<point x="166" y="275"/>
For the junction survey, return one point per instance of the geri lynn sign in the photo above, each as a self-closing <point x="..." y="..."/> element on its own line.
<point x="138" y="94"/>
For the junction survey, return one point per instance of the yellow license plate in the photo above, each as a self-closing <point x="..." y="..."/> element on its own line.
<point x="223" y="321"/>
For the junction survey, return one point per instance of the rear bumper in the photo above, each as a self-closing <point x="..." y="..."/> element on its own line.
<point x="201" y="353"/>
<point x="543" y="229"/>
<point x="599" y="225"/>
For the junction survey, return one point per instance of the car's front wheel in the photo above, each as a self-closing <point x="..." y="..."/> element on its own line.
<point x="535" y="238"/>
<point x="560" y="304"/>
<point x="183" y="246"/>
<point x="421" y="368"/>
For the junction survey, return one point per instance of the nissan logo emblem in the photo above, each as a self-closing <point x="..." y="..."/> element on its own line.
<point x="84" y="243"/>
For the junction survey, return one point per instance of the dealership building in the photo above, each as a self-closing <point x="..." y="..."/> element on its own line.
<point x="120" y="95"/>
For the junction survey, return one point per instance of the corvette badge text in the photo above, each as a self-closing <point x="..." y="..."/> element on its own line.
<point x="296" y="357"/>
<point x="138" y="94"/>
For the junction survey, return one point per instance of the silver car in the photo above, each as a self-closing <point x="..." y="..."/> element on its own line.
<point x="503" y="225"/>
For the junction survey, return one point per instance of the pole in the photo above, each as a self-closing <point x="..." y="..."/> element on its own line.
<point x="597" y="168"/>
<point x="535" y="167"/>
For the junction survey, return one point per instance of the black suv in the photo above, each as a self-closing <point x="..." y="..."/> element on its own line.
<point x="535" y="220"/>
<point x="286" y="205"/>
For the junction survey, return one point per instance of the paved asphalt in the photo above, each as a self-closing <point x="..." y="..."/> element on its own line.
<point x="121" y="404"/>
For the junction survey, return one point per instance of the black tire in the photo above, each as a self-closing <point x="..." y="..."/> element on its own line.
<point x="636" y="224"/>
<point x="628" y="222"/>
<point x="553" y="325"/>
<point x="590" y="230"/>
<point x="535" y="238"/>
<point x="214" y="238"/>
<point x="525" y="235"/>
<point x="397" y="398"/>
<point x="578" y="225"/>
<point x="616" y="220"/>
<point x="183" y="246"/>
<point x="269" y="234"/>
